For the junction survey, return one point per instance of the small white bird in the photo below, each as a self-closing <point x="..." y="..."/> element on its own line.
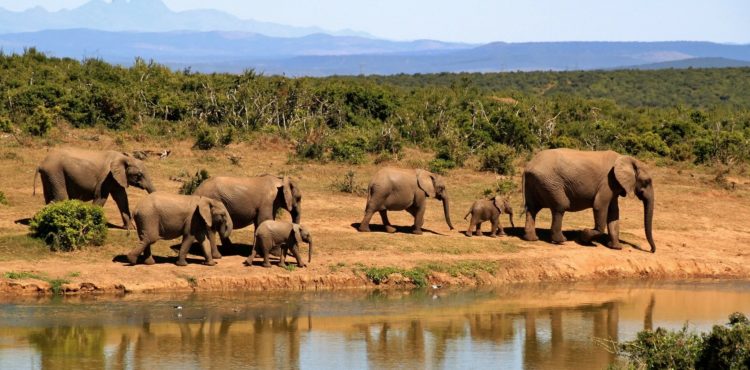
<point x="436" y="286"/>
<point x="178" y="307"/>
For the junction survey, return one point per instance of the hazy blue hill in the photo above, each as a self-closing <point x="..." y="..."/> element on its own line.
<point x="695" y="63"/>
<point x="144" y="16"/>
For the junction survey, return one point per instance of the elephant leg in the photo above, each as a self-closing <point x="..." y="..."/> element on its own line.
<point x="135" y="252"/>
<point x="225" y="242"/>
<point x="187" y="241"/>
<point x="478" y="228"/>
<point x="557" y="235"/>
<point x="364" y="226"/>
<point x="613" y="225"/>
<point x="530" y="228"/>
<point x="419" y="219"/>
<point x="470" y="228"/>
<point x="266" y="255"/>
<point x="121" y="198"/>
<point x="212" y="242"/>
<point x="386" y="222"/>
<point x="207" y="251"/>
<point x="496" y="228"/>
<point x="149" y="258"/>
<point x="53" y="188"/>
<point x="295" y="253"/>
<point x="282" y="257"/>
<point x="600" y="222"/>
<point x="251" y="257"/>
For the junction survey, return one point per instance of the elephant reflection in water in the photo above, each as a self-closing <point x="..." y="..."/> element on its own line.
<point x="70" y="347"/>
<point x="388" y="345"/>
<point x="220" y="341"/>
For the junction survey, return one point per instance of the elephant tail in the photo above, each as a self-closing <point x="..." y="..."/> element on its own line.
<point x="523" y="193"/>
<point x="36" y="174"/>
<point x="467" y="213"/>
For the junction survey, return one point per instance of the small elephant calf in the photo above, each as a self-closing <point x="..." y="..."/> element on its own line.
<point x="168" y="216"/>
<point x="272" y="234"/>
<point x="489" y="209"/>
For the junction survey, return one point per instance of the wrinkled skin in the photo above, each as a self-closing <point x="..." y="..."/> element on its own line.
<point x="570" y="180"/>
<point x="489" y="210"/>
<point x="395" y="189"/>
<point x="252" y="200"/>
<point x="168" y="216"/>
<point x="92" y="175"/>
<point x="280" y="234"/>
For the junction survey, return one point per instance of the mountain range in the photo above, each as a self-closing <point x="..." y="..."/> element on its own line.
<point x="213" y="41"/>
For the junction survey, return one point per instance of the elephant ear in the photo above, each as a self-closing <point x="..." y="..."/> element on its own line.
<point x="204" y="209"/>
<point x="498" y="202"/>
<point x="297" y="235"/>
<point x="288" y="196"/>
<point x="426" y="182"/>
<point x="118" y="169"/>
<point x="625" y="173"/>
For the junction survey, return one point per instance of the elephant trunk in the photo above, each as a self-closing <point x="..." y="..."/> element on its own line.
<point x="296" y="213"/>
<point x="648" y="216"/>
<point x="510" y="217"/>
<point x="447" y="211"/>
<point x="310" y="250"/>
<point x="225" y="230"/>
<point x="148" y="186"/>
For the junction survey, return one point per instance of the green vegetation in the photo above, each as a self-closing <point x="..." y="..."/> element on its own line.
<point x="3" y="199"/>
<point x="55" y="283"/>
<point x="724" y="347"/>
<point x="70" y="225"/>
<point x="290" y="267"/>
<point x="419" y="275"/>
<point x="188" y="186"/>
<point x="349" y="185"/>
<point x="698" y="115"/>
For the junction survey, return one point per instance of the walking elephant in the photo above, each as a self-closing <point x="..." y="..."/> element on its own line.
<point x="92" y="175"/>
<point x="168" y="216"/>
<point x="489" y="210"/>
<point x="252" y="200"/>
<point x="570" y="180"/>
<point x="286" y="235"/>
<point x="394" y="189"/>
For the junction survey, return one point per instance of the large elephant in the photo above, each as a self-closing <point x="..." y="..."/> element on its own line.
<point x="252" y="200"/>
<point x="92" y="175"/>
<point x="571" y="180"/>
<point x="394" y="189"/>
<point x="168" y="216"/>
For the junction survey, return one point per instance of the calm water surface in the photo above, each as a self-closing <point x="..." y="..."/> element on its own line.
<point x="519" y="327"/>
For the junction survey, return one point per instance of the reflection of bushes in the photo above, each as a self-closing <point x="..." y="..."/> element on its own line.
<point x="65" y="347"/>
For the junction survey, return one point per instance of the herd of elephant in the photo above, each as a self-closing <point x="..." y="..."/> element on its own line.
<point x="559" y="179"/>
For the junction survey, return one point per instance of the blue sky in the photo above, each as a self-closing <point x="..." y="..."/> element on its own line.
<point x="488" y="20"/>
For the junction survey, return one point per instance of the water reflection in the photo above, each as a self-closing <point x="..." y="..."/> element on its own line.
<point x="537" y="328"/>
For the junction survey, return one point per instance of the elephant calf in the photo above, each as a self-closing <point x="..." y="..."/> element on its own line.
<point x="489" y="210"/>
<point x="168" y="216"/>
<point x="271" y="234"/>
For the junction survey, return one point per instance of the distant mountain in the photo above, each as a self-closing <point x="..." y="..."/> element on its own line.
<point x="322" y="55"/>
<point x="695" y="63"/>
<point x="145" y="16"/>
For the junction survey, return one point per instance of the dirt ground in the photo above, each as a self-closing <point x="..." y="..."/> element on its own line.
<point x="700" y="228"/>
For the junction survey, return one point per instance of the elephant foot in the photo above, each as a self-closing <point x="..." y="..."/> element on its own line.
<point x="132" y="258"/>
<point x="363" y="228"/>
<point x="210" y="263"/>
<point x="558" y="239"/>
<point x="302" y="265"/>
<point x="216" y="256"/>
<point x="282" y="265"/>
<point x="530" y="237"/>
<point x="588" y="235"/>
<point x="615" y="246"/>
<point x="248" y="262"/>
<point x="390" y="229"/>
<point x="181" y="263"/>
<point x="417" y="232"/>
<point x="493" y="235"/>
<point x="149" y="261"/>
<point x="267" y="264"/>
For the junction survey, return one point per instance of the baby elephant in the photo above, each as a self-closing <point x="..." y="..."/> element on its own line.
<point x="286" y="235"/>
<point x="168" y="216"/>
<point x="489" y="209"/>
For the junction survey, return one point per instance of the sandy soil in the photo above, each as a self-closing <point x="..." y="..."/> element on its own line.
<point x="700" y="228"/>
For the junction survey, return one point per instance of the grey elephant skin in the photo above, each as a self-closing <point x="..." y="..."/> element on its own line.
<point x="489" y="210"/>
<point x="168" y="216"/>
<point x="280" y="234"/>
<point x="395" y="189"/>
<point x="90" y="175"/>
<point x="252" y="200"/>
<point x="566" y="180"/>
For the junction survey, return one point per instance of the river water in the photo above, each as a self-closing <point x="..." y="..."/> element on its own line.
<point x="516" y="327"/>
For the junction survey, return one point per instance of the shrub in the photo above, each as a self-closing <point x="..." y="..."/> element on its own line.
<point x="5" y="125"/>
<point x="3" y="199"/>
<point x="348" y="149"/>
<point x="349" y="185"/>
<point x="441" y="166"/>
<point x="40" y="122"/>
<point x="205" y="139"/>
<point x="310" y="147"/>
<point x="727" y="347"/>
<point x="70" y="225"/>
<point x="188" y="186"/>
<point x="498" y="158"/>
<point x="502" y="187"/>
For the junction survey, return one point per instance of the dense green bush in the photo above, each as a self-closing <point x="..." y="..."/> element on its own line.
<point x="5" y="125"/>
<point x="724" y="347"/>
<point x="3" y="199"/>
<point x="190" y="184"/>
<point x="498" y="158"/>
<point x="40" y="122"/>
<point x="70" y="225"/>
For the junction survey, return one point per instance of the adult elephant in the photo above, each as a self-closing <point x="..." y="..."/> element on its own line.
<point x="394" y="189"/>
<point x="92" y="175"/>
<point x="572" y="180"/>
<point x="252" y="200"/>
